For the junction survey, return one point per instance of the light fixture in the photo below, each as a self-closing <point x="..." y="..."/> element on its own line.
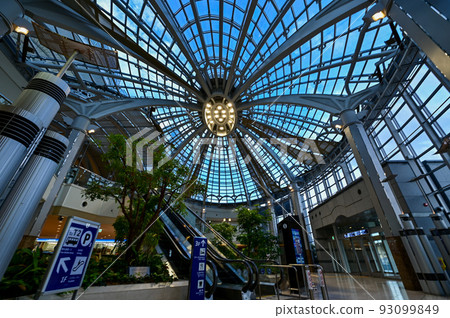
<point x="229" y="220"/>
<point x="224" y="219"/>
<point x="377" y="12"/>
<point x="379" y="15"/>
<point x="91" y="131"/>
<point x="21" y="30"/>
<point x="223" y="113"/>
<point x="338" y="126"/>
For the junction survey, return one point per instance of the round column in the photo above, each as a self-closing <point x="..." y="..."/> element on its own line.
<point x="33" y="110"/>
<point x="18" y="209"/>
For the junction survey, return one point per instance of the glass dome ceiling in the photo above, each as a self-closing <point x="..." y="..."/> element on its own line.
<point x="280" y="64"/>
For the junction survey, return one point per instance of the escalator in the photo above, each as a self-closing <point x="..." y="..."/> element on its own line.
<point x="237" y="274"/>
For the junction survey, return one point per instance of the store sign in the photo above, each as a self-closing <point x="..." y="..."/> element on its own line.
<point x="71" y="256"/>
<point x="198" y="269"/>
<point x="356" y="233"/>
<point x="298" y="248"/>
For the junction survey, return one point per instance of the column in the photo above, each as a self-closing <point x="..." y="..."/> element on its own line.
<point x="76" y="138"/>
<point x="341" y="249"/>
<point x="273" y="223"/>
<point x="381" y="194"/>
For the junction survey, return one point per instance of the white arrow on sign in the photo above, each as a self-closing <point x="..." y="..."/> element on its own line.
<point x="62" y="262"/>
<point x="203" y="243"/>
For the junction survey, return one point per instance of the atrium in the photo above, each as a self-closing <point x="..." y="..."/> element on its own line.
<point x="328" y="115"/>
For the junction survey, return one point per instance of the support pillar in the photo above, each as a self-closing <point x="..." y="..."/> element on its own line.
<point x="381" y="194"/>
<point x="344" y="260"/>
<point x="273" y="223"/>
<point x="76" y="138"/>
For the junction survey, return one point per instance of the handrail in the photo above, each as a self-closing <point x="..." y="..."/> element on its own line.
<point x="251" y="260"/>
<point x="213" y="287"/>
<point x="194" y="232"/>
<point x="276" y="276"/>
<point x="323" y="286"/>
<point x="213" y="267"/>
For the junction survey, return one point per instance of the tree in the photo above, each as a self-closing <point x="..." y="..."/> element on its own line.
<point x="259" y="243"/>
<point x="226" y="230"/>
<point x="141" y="195"/>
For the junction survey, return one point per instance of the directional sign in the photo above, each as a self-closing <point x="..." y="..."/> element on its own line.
<point x="198" y="269"/>
<point x="71" y="257"/>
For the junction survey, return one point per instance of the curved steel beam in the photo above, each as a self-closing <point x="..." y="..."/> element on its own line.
<point x="287" y="172"/>
<point x="251" y="6"/>
<point x="327" y="103"/>
<point x="165" y="15"/>
<point x="83" y="17"/>
<point x="334" y="12"/>
<point x="99" y="109"/>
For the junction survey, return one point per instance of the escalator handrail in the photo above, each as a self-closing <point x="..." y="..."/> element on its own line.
<point x="213" y="267"/>
<point x="250" y="284"/>
<point x="250" y="260"/>
<point x="213" y="287"/>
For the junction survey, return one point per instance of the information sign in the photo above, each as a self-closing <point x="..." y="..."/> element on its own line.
<point x="198" y="269"/>
<point x="71" y="256"/>
<point x="299" y="257"/>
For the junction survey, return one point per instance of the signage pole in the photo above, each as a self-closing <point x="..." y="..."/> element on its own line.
<point x="71" y="257"/>
<point x="198" y="269"/>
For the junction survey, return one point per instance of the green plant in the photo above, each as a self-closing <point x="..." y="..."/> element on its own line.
<point x="259" y="243"/>
<point x="226" y="230"/>
<point x="142" y="195"/>
<point x="117" y="274"/>
<point x="24" y="273"/>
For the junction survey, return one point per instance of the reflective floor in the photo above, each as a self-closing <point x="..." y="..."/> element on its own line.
<point x="343" y="286"/>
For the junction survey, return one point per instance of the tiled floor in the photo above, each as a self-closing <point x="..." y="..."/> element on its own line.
<point x="346" y="287"/>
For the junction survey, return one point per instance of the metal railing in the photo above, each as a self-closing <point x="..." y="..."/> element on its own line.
<point x="309" y="287"/>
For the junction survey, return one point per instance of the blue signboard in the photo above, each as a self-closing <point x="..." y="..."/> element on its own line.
<point x="198" y="269"/>
<point x="356" y="233"/>
<point x="71" y="258"/>
<point x="298" y="248"/>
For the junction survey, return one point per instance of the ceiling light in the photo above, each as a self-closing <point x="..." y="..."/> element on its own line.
<point x="338" y="126"/>
<point x="21" y="30"/>
<point x="208" y="105"/>
<point x="91" y="131"/>
<point x="229" y="104"/>
<point x="379" y="15"/>
<point x="219" y="107"/>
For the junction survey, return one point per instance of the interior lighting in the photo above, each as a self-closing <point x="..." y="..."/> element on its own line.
<point x="21" y="30"/>
<point x="91" y="131"/>
<point x="379" y="15"/>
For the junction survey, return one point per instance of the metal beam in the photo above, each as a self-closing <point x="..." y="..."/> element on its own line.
<point x="354" y="59"/>
<point x="200" y="31"/>
<point x="306" y="72"/>
<point x="299" y="119"/>
<point x="287" y="172"/>
<point x="427" y="28"/>
<point x="251" y="6"/>
<point x="334" y="12"/>
<point x="99" y="109"/>
<point x="328" y="103"/>
<point x="187" y="140"/>
<point x="45" y="10"/>
<point x="279" y="17"/>
<point x="171" y="25"/>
